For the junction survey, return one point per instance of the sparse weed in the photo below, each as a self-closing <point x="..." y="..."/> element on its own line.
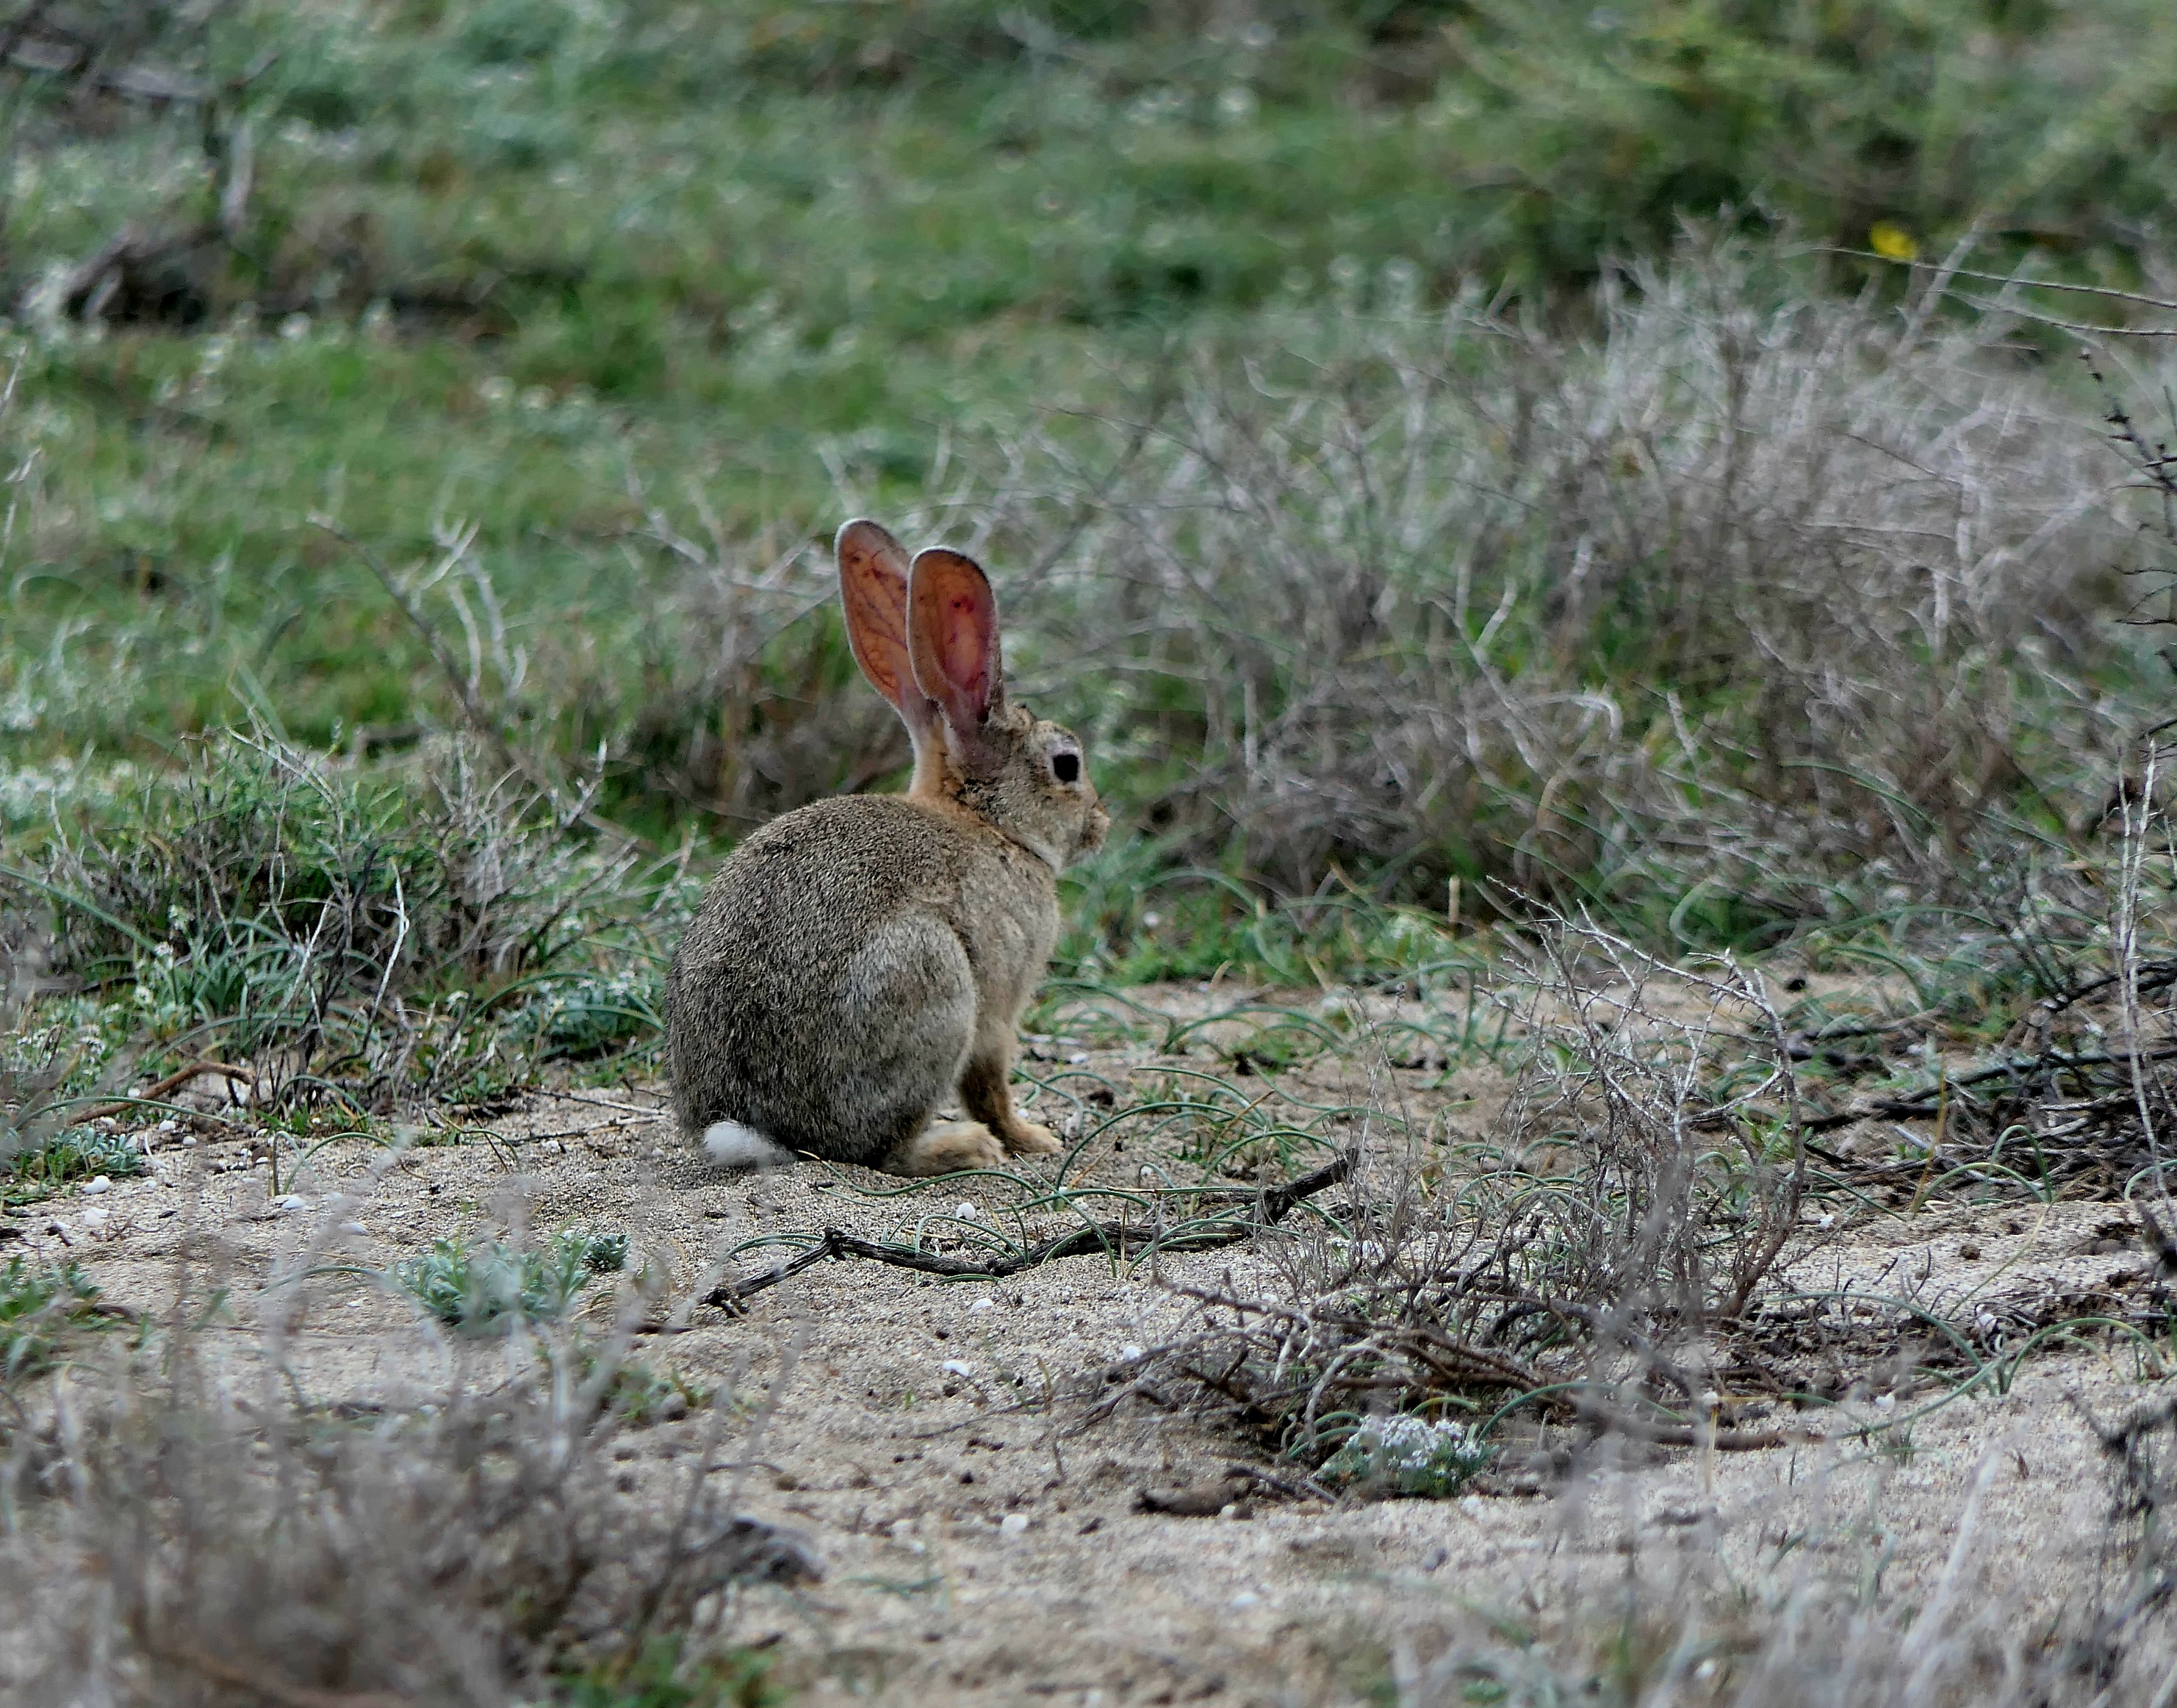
<point x="350" y="938"/>
<point x="38" y="1303"/>
<point x="661" y="1676"/>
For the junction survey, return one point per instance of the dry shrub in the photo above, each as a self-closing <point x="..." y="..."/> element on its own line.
<point x="167" y="1538"/>
<point x="1796" y="1630"/>
<point x="1745" y="586"/>
<point x="1591" y="1259"/>
<point x="750" y="709"/>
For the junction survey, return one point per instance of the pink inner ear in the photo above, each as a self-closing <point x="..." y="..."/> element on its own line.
<point x="967" y="651"/>
<point x="873" y="593"/>
<point x="953" y="636"/>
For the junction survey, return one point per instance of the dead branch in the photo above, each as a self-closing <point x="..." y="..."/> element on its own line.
<point x="166" y="1088"/>
<point x="1120" y="1239"/>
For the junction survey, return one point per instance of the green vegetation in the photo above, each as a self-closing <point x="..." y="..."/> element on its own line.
<point x="656" y="1677"/>
<point x="492" y="1288"/>
<point x="1439" y="453"/>
<point x="38" y="1303"/>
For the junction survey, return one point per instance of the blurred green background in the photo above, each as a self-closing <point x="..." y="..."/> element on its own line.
<point x="587" y="321"/>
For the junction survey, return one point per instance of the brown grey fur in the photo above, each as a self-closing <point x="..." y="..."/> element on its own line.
<point x="857" y="964"/>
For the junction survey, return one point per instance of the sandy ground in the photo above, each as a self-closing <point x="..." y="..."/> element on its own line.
<point x="980" y="1548"/>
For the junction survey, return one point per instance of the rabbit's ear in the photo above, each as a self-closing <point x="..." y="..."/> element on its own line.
<point x="873" y="570"/>
<point x="953" y="639"/>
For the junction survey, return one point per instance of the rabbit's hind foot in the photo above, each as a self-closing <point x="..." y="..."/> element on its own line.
<point x="948" y="1145"/>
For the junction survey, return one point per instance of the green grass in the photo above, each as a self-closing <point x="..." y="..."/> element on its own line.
<point x="763" y="261"/>
<point x="581" y="320"/>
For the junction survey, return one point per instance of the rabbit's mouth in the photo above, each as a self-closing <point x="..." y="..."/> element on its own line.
<point x="1097" y="826"/>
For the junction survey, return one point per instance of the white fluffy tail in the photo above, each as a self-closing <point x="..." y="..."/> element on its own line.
<point x="731" y="1145"/>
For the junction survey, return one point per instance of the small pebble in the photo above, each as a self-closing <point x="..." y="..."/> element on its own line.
<point x="94" y="1220"/>
<point x="981" y="1305"/>
<point x="1131" y="1355"/>
<point x="293" y="1201"/>
<point x="353" y="1228"/>
<point x="1013" y="1524"/>
<point x="1246" y="1598"/>
<point x="957" y="1366"/>
<point x="91" y="1188"/>
<point x="1077" y="1058"/>
<point x="966" y="1212"/>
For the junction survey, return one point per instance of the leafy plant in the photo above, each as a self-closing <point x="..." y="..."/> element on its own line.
<point x="78" y="1153"/>
<point x="1407" y="1455"/>
<point x="494" y="1288"/>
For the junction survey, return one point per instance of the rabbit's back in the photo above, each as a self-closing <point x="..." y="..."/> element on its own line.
<point x="825" y="996"/>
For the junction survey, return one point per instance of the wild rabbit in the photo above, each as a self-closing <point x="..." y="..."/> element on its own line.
<point x="858" y="962"/>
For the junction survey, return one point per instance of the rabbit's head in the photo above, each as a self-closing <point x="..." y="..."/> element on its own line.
<point x="925" y="634"/>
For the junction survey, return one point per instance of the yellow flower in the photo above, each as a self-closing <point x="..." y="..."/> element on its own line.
<point x="1892" y="242"/>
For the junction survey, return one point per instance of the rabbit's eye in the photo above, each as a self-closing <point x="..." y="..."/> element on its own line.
<point x="1065" y="767"/>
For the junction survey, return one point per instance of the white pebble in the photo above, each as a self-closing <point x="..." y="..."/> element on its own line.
<point x="1131" y="1355"/>
<point x="1077" y="1058"/>
<point x="1246" y="1598"/>
<point x="353" y="1228"/>
<point x="1013" y="1524"/>
<point x="169" y="1124"/>
<point x="966" y="1212"/>
<point x="94" y="1220"/>
<point x="293" y="1201"/>
<point x="981" y="1305"/>
<point x="957" y="1366"/>
<point x="91" y="1188"/>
